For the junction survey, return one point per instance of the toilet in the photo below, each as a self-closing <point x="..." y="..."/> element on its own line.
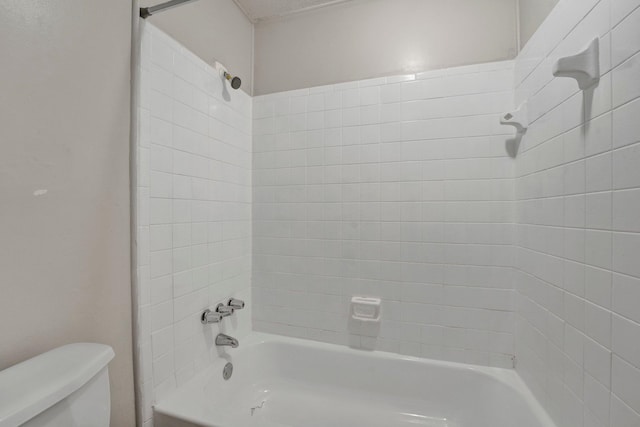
<point x="64" y="387"/>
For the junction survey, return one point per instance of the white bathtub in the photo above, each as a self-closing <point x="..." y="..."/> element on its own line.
<point x="299" y="383"/>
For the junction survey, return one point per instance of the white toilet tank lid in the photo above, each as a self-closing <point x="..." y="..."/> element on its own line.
<point x="30" y="387"/>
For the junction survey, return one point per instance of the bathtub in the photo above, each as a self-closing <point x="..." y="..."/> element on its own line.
<point x="280" y="381"/>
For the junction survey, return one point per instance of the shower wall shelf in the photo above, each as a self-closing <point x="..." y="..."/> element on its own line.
<point x="584" y="66"/>
<point x="517" y="118"/>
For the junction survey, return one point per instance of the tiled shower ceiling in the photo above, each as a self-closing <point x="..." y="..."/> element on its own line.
<point x="257" y="10"/>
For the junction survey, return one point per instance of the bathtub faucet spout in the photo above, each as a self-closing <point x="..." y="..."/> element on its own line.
<point x="226" y="340"/>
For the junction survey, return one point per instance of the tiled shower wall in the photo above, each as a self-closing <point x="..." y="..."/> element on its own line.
<point x="578" y="214"/>
<point x="193" y="213"/>
<point x="399" y="188"/>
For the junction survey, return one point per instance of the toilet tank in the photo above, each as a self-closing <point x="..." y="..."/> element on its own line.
<point x="64" y="387"/>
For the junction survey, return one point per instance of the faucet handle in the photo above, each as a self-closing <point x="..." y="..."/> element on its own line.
<point x="209" y="316"/>
<point x="236" y="304"/>
<point x="224" y="310"/>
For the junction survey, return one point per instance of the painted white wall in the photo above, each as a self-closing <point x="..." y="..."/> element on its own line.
<point x="531" y="15"/>
<point x="193" y="216"/>
<point x="578" y="192"/>
<point x="64" y="183"/>
<point x="398" y="188"/>
<point x="365" y="39"/>
<point x="213" y="30"/>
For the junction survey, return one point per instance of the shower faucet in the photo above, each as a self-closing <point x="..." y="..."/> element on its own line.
<point x="226" y="341"/>
<point x="236" y="304"/>
<point x="210" y="316"/>
<point x="221" y="311"/>
<point x="224" y="310"/>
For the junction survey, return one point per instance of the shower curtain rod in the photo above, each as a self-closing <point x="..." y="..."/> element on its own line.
<point x="146" y="12"/>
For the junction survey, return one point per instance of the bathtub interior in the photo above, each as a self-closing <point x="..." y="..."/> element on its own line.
<point x="289" y="382"/>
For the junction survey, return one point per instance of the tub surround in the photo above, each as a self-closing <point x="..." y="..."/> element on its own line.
<point x="194" y="213"/>
<point x="400" y="188"/>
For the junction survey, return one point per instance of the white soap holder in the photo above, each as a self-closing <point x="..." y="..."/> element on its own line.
<point x="517" y="118"/>
<point x="365" y="309"/>
<point x="584" y="66"/>
<point x="364" y="317"/>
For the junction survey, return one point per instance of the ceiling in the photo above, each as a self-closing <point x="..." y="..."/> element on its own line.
<point x="257" y="10"/>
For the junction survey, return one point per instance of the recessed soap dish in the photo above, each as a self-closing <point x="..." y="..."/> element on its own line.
<point x="365" y="309"/>
<point x="364" y="316"/>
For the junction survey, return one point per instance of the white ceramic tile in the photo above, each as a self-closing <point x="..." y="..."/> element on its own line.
<point x="599" y="173"/>
<point x="626" y="205"/>
<point x="625" y="382"/>
<point x="160" y="237"/>
<point x="626" y="86"/>
<point x="622" y="415"/>
<point x="597" y="361"/>
<point x="161" y="289"/>
<point x="625" y="251"/>
<point x="596" y="399"/>
<point x="626" y="174"/>
<point x="621" y="9"/>
<point x="626" y="127"/>
<point x="625" y="338"/>
<point x="626" y="291"/>
<point x="597" y="134"/>
<point x="598" y="210"/>
<point x="598" y="248"/>
<point x="598" y="324"/>
<point x="625" y="38"/>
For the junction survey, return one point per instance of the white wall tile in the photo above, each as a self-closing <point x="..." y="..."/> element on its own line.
<point x="625" y="38"/>
<point x="625" y="82"/>
<point x="625" y="250"/>
<point x="622" y="415"/>
<point x="626" y="291"/>
<point x="625" y="382"/>
<point x="620" y="9"/>
<point x="626" y="130"/>
<point x="625" y="170"/>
